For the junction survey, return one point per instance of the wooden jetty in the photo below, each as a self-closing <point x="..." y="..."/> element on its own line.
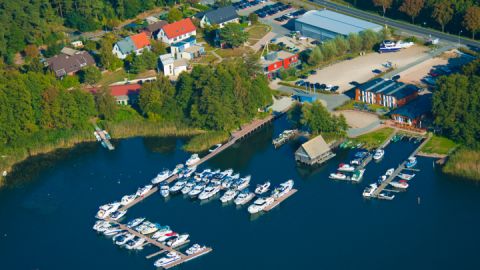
<point x="280" y="200"/>
<point x="104" y="138"/>
<point x="162" y="247"/>
<point x="397" y="170"/>
<point x="155" y="254"/>
<point x="285" y="136"/>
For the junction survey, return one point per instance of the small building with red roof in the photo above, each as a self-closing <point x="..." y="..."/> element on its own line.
<point x="124" y="94"/>
<point x="132" y="44"/>
<point x="177" y="31"/>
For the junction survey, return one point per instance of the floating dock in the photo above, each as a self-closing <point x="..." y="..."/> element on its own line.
<point x="284" y="137"/>
<point x="280" y="200"/>
<point x="103" y="137"/>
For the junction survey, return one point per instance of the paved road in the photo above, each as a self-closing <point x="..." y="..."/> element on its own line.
<point x="425" y="32"/>
<point x="332" y="101"/>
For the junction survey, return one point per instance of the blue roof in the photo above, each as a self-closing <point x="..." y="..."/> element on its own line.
<point x="418" y="107"/>
<point x="336" y="22"/>
<point x="126" y="45"/>
<point x="190" y="39"/>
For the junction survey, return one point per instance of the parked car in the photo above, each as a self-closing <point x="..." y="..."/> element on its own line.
<point x="377" y="71"/>
<point x="396" y="77"/>
<point x="313" y="72"/>
<point x="300" y="82"/>
<point x="335" y="88"/>
<point x="328" y="87"/>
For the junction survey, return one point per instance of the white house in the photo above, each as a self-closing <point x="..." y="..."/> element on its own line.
<point x="177" y="31"/>
<point x="132" y="44"/>
<point x="172" y="67"/>
<point x="220" y="17"/>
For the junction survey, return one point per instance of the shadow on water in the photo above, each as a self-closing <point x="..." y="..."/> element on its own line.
<point x="162" y="145"/>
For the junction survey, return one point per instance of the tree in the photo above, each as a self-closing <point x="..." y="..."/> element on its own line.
<point x="329" y="50"/>
<point x="31" y="51"/>
<point x="253" y="18"/>
<point x="355" y="42"/>
<point x="90" y="75"/>
<point x="443" y="13"/>
<point x="369" y="39"/>
<point x="341" y="44"/>
<point x="105" y="103"/>
<point x="174" y="15"/>
<point x="412" y="8"/>
<point x="318" y="120"/>
<point x="315" y="56"/>
<point x="471" y="20"/>
<point x="158" y="47"/>
<point x="233" y="35"/>
<point x="385" y="4"/>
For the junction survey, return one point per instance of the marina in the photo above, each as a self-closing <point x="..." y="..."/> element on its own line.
<point x="280" y="200"/>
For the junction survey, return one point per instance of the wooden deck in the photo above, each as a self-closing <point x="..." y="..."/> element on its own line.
<point x="188" y="258"/>
<point x="280" y="200"/>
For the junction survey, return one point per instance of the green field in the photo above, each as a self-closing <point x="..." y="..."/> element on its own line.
<point x="374" y="139"/>
<point x="439" y="145"/>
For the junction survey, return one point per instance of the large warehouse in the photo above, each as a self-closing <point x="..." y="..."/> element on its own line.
<point x="325" y="24"/>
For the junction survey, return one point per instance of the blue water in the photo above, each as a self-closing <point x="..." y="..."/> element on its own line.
<point x="47" y="212"/>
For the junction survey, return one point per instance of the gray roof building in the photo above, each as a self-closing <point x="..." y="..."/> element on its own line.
<point x="326" y="24"/>
<point x="218" y="16"/>
<point x="65" y="64"/>
<point x="154" y="28"/>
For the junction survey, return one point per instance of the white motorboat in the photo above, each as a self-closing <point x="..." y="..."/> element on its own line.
<point x="170" y="258"/>
<point x="244" y="197"/>
<point x="194" y="249"/>
<point x="164" y="175"/>
<point x="107" y="209"/>
<point x="229" y="195"/>
<point x="178" y="169"/>
<point x="338" y="176"/>
<point x="127" y="199"/>
<point x="402" y="184"/>
<point x="178" y="185"/>
<point x="143" y="190"/>
<point x="188" y="187"/>
<point x="162" y="231"/>
<point x="405" y="176"/>
<point x="384" y="195"/>
<point x="112" y="231"/>
<point x="260" y="204"/>
<point x="135" y="222"/>
<point x="390" y="172"/>
<point x="167" y="236"/>
<point x="124" y="239"/>
<point x="262" y="188"/>
<point x="187" y="172"/>
<point x="215" y="148"/>
<point x="135" y="243"/>
<point x="368" y="192"/>
<point x="147" y="228"/>
<point x="178" y="241"/>
<point x="194" y="159"/>
<point x="101" y="225"/>
<point x="197" y="189"/>
<point x="357" y="175"/>
<point x="243" y="182"/>
<point x="411" y="162"/>
<point x="379" y="153"/>
<point x="164" y="191"/>
<point x="117" y="215"/>
<point x="346" y="168"/>
<point x="209" y="192"/>
<point x="356" y="161"/>
<point x="227" y="172"/>
<point x="117" y="236"/>
<point x="283" y="189"/>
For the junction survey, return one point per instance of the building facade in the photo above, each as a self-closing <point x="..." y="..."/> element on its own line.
<point x="132" y="44"/>
<point x="414" y="113"/>
<point x="172" y="67"/>
<point x="274" y="62"/>
<point x="387" y="93"/>
<point x="325" y="24"/>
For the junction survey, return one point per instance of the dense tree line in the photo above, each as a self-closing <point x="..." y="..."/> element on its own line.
<point x="315" y="118"/>
<point x="449" y="15"/>
<point x="456" y="105"/>
<point x="214" y="98"/>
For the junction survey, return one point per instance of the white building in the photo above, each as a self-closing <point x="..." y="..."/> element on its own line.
<point x="132" y="44"/>
<point x="177" y="31"/>
<point x="172" y="67"/>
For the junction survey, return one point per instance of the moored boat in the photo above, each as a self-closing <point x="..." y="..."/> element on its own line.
<point x="195" y="248"/>
<point x="164" y="191"/>
<point x="135" y="222"/>
<point x="215" y="148"/>
<point x="188" y="187"/>
<point x="343" y="167"/>
<point x="162" y="176"/>
<point x="209" y="192"/>
<point x="357" y="175"/>
<point x="143" y="190"/>
<point x="379" y="153"/>
<point x="194" y="159"/>
<point x="262" y="188"/>
<point x="117" y="215"/>
<point x="229" y="195"/>
<point x="170" y="258"/>
<point x="244" y="197"/>
<point x="338" y="176"/>
<point x="178" y="241"/>
<point x="389" y="172"/>
<point x="260" y="204"/>
<point x="405" y="176"/>
<point x="385" y="195"/>
<point x="127" y="199"/>
<point x="402" y="184"/>
<point x="368" y="191"/>
<point x="412" y="161"/>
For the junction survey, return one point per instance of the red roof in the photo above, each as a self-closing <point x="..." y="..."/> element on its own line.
<point x="122" y="90"/>
<point x="179" y="28"/>
<point x="140" y="40"/>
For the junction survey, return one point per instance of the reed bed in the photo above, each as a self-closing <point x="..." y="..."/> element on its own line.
<point x="206" y="140"/>
<point x="464" y="163"/>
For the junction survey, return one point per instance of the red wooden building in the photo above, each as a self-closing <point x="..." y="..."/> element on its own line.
<point x="274" y="62"/>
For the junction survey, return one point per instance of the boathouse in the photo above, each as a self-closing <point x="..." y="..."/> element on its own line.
<point x="315" y="151"/>
<point x="388" y="93"/>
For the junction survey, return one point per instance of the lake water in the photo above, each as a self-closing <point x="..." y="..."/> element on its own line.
<point x="46" y="217"/>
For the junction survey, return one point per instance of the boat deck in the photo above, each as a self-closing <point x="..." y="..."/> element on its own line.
<point x="280" y="200"/>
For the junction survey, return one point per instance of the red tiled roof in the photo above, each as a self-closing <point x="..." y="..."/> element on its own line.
<point x="179" y="28"/>
<point x="140" y="40"/>
<point x="122" y="90"/>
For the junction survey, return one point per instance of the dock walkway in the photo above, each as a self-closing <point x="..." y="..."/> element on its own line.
<point x="104" y="138"/>
<point x="370" y="157"/>
<point x="398" y="170"/>
<point x="280" y="200"/>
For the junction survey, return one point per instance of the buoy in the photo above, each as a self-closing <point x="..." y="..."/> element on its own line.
<point x="418" y="199"/>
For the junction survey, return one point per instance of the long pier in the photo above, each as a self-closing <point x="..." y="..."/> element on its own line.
<point x="162" y="247"/>
<point x="280" y="200"/>
<point x="398" y="170"/>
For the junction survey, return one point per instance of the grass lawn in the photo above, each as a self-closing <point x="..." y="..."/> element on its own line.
<point x="256" y="32"/>
<point x="439" y="145"/>
<point x="464" y="163"/>
<point x="208" y="58"/>
<point x="120" y="75"/>
<point x="375" y="138"/>
<point x="235" y="52"/>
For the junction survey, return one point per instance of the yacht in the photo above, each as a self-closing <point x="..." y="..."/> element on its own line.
<point x="390" y="172"/>
<point x="188" y="187"/>
<point x="346" y="167"/>
<point x="338" y="176"/>
<point x="405" y="176"/>
<point x="194" y="159"/>
<point x="101" y="225"/>
<point x="178" y="185"/>
<point x="402" y="184"/>
<point x="170" y="258"/>
<point x="167" y="236"/>
<point x="227" y="182"/>
<point x="178" y="169"/>
<point x="227" y="172"/>
<point x="187" y="172"/>
<point x="147" y="228"/>
<point x="106" y="210"/>
<point x="164" y="175"/>
<point x="356" y="161"/>
<point x="135" y="222"/>
<point x="118" y="215"/>
<point x="229" y="195"/>
<point x="379" y="153"/>
<point x="357" y="175"/>
<point x="164" y="191"/>
<point x="385" y="195"/>
<point x="143" y="190"/>
<point x="127" y="199"/>
<point x="215" y="148"/>
<point x="195" y="248"/>
<point x="118" y="236"/>
<point x="392" y="46"/>
<point x="178" y="241"/>
<point x="244" y="197"/>
<point x="262" y="188"/>
<point x="121" y="240"/>
<point x="114" y="230"/>
<point x="135" y="243"/>
<point x="283" y="189"/>
<point x="242" y="182"/>
<point x="163" y="230"/>
<point x="412" y="161"/>
<point x="209" y="192"/>
<point x="368" y="192"/>
<point x="260" y="204"/>
<point x="197" y="190"/>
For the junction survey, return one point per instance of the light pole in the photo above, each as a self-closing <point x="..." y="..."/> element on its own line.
<point x="459" y="36"/>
